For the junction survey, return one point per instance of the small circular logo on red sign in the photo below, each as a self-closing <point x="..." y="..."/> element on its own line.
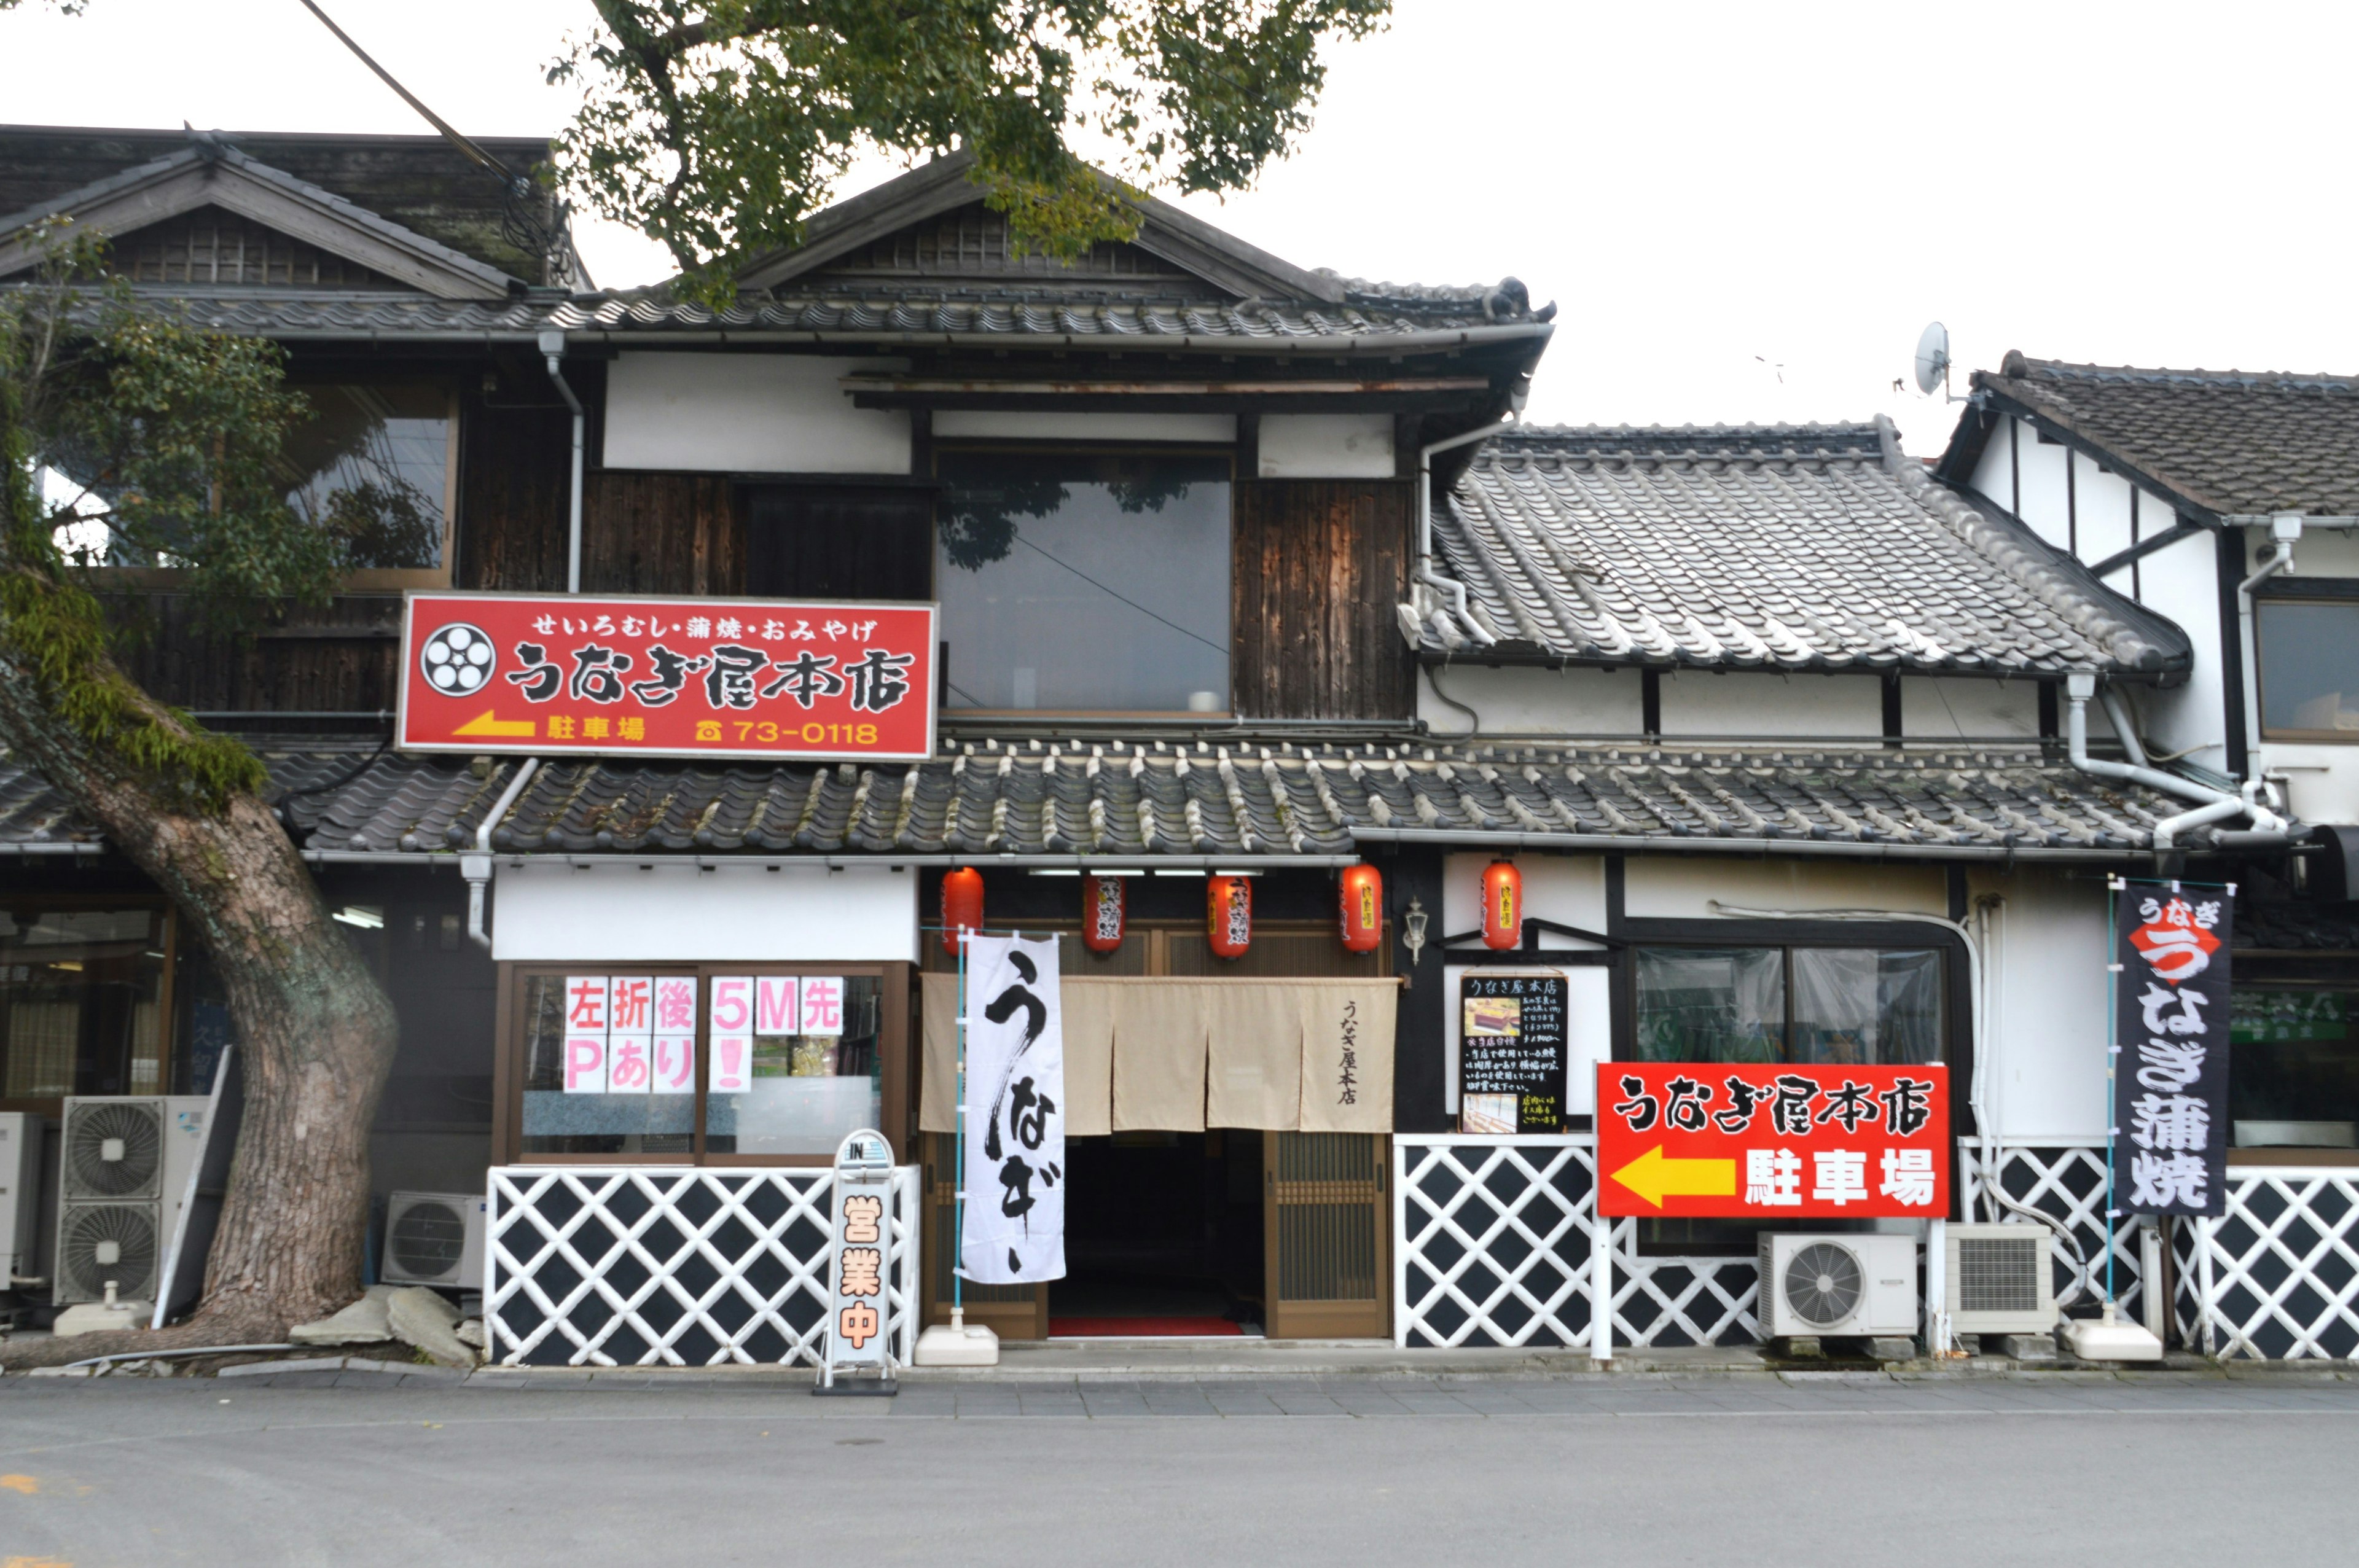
<point x="457" y="659"/>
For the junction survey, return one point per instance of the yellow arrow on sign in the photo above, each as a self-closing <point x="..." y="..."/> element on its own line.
<point x="1655" y="1178"/>
<point x="488" y="723"/>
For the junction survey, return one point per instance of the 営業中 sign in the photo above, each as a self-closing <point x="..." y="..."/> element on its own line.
<point x="1712" y="1139"/>
<point x="1511" y="1052"/>
<point x="2171" y="1072"/>
<point x="546" y="674"/>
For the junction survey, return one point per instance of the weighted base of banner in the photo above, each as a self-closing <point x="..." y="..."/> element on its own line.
<point x="2108" y="1338"/>
<point x="955" y="1344"/>
<point x="868" y="1388"/>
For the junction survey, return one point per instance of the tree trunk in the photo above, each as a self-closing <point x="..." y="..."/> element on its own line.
<point x="314" y="1031"/>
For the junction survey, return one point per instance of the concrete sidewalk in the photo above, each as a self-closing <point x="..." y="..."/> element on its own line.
<point x="1090" y="1362"/>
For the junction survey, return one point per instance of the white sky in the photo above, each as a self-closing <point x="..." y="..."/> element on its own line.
<point x="1746" y="212"/>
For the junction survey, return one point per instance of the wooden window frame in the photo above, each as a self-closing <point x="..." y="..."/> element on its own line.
<point x="893" y="1041"/>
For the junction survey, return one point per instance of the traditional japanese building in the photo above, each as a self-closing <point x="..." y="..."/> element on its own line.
<point x="1244" y="576"/>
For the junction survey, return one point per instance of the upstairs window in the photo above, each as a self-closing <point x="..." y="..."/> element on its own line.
<point x="1085" y="583"/>
<point x="2308" y="663"/>
<point x="374" y="463"/>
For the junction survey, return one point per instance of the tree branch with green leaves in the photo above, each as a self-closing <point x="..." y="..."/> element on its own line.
<point x="718" y="128"/>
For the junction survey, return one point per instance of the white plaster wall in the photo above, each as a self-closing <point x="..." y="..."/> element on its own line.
<point x="2046" y="1038"/>
<point x="2181" y="581"/>
<point x="1535" y="701"/>
<point x="1015" y="426"/>
<point x="2320" y="780"/>
<point x="1326" y="446"/>
<point x="1994" y="475"/>
<point x="2043" y="484"/>
<point x="1672" y="887"/>
<point x="1946" y="707"/>
<point x="1746" y="704"/>
<point x="2103" y="505"/>
<point x="748" y="413"/>
<point x="611" y="913"/>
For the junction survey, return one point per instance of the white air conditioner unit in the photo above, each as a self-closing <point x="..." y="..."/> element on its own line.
<point x="20" y="1192"/>
<point x="1861" y="1284"/>
<point x="434" y="1239"/>
<point x="124" y="1165"/>
<point x="2000" y="1281"/>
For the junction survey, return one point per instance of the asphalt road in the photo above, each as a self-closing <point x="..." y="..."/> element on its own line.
<point x="1363" y="1471"/>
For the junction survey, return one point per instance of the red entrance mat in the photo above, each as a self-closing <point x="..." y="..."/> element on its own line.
<point x="1140" y="1328"/>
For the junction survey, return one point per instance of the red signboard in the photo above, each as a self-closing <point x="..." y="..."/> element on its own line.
<point x="548" y="674"/>
<point x="1710" y="1140"/>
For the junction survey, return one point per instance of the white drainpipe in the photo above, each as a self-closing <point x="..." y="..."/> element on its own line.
<point x="2284" y="529"/>
<point x="2212" y="805"/>
<point x="478" y="866"/>
<point x="552" y="346"/>
<point x="1425" y="572"/>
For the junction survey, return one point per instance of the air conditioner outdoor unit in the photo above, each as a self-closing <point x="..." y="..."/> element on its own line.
<point x="20" y="1192"/>
<point x="434" y="1239"/>
<point x="2000" y="1282"/>
<point x="123" y="1174"/>
<point x="1862" y="1284"/>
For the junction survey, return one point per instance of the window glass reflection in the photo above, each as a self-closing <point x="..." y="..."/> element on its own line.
<point x="81" y="994"/>
<point x="372" y="464"/>
<point x="2308" y="668"/>
<point x="1085" y="583"/>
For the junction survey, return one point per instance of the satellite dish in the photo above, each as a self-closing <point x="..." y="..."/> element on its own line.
<point x="1933" y="359"/>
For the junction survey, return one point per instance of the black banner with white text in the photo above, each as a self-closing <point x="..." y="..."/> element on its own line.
<point x="2170" y="1028"/>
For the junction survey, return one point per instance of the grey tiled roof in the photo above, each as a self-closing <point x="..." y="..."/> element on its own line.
<point x="2235" y="443"/>
<point x="931" y="317"/>
<point x="1769" y="546"/>
<point x="1152" y="798"/>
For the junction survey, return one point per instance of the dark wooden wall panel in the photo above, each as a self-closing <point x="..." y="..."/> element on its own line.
<point x="661" y="532"/>
<point x="514" y="482"/>
<point x="338" y="658"/>
<point x="1319" y="564"/>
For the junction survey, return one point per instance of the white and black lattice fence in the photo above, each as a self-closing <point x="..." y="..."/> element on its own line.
<point x="2276" y="1276"/>
<point x="1493" y="1246"/>
<point x="650" y="1265"/>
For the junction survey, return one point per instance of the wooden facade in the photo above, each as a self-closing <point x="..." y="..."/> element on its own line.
<point x="1319" y="565"/>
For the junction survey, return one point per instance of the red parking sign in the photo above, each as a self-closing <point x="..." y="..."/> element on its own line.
<point x="1716" y="1140"/>
<point x="546" y="674"/>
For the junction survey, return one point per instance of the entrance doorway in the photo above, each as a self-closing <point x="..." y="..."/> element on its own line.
<point x="1163" y="1235"/>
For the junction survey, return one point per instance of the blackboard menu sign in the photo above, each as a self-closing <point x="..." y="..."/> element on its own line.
<point x="1511" y="1052"/>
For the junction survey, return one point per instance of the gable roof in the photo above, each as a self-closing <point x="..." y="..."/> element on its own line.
<point x="213" y="174"/>
<point x="1148" y="800"/>
<point x="420" y="182"/>
<point x="944" y="186"/>
<point x="1789" y="547"/>
<point x="2219" y="443"/>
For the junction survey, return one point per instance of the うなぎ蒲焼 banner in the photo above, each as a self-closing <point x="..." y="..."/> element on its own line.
<point x="1013" y="1231"/>
<point x="2170" y="1065"/>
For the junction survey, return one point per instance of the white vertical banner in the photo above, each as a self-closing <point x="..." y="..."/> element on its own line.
<point x="1015" y="1228"/>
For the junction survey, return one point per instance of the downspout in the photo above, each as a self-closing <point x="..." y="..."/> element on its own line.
<point x="1425" y="575"/>
<point x="2284" y="529"/>
<point x="478" y="866"/>
<point x="2213" y="806"/>
<point x="552" y="345"/>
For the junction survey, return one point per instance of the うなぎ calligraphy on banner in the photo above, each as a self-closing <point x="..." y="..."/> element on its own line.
<point x="545" y="674"/>
<point x="1772" y="1142"/>
<point x="2170" y="1048"/>
<point x="1015" y="1227"/>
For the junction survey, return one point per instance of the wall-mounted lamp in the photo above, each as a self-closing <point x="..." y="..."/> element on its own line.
<point x="1413" y="930"/>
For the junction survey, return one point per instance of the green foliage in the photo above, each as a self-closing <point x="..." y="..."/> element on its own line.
<point x="127" y="436"/>
<point x="719" y="126"/>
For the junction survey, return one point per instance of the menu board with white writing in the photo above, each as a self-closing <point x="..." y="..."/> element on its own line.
<point x="1511" y="1052"/>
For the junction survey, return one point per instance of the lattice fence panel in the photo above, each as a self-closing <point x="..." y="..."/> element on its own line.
<point x="640" y="1265"/>
<point x="2069" y="1182"/>
<point x="1492" y="1248"/>
<point x="2282" y="1266"/>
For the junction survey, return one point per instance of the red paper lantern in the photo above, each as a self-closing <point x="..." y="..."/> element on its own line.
<point x="1364" y="908"/>
<point x="1503" y="905"/>
<point x="1101" y="914"/>
<point x="1228" y="916"/>
<point x="961" y="904"/>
